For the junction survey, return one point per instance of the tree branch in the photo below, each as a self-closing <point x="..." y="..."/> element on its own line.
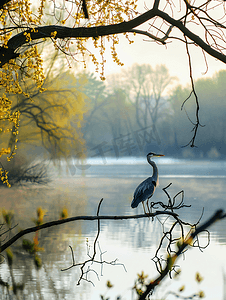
<point x="195" y="38"/>
<point x="3" y="2"/>
<point x="90" y="218"/>
<point x="160" y="40"/>
<point x="218" y="215"/>
<point x="41" y="32"/>
<point x="86" y="32"/>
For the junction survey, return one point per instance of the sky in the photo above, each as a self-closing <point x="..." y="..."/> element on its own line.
<point x="173" y="55"/>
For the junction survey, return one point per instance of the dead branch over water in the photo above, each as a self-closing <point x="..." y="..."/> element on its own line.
<point x="72" y="219"/>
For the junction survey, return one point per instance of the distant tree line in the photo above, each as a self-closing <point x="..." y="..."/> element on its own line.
<point x="129" y="114"/>
<point x="135" y="111"/>
<point x="211" y="138"/>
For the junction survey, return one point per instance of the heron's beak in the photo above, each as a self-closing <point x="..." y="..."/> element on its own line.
<point x="158" y="155"/>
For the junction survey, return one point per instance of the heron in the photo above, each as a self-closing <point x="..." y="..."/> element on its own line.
<point x="146" y="189"/>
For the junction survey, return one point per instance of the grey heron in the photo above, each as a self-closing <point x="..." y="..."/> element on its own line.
<point x="146" y="189"/>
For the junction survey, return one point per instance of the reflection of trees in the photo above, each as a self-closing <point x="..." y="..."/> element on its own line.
<point x="47" y="283"/>
<point x="33" y="283"/>
<point x="176" y="237"/>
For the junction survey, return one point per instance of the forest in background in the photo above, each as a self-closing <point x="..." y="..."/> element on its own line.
<point x="138" y="110"/>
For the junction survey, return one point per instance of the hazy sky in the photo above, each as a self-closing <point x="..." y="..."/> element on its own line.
<point x="173" y="55"/>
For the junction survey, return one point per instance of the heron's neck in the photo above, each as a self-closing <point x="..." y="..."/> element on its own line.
<point x="155" y="170"/>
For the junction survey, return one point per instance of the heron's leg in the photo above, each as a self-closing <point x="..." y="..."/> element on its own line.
<point x="145" y="211"/>
<point x="148" y="207"/>
<point x="144" y="208"/>
<point x="150" y="212"/>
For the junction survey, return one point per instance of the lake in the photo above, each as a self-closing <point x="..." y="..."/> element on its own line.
<point x="79" y="187"/>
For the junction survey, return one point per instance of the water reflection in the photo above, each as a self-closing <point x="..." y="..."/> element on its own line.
<point x="133" y="242"/>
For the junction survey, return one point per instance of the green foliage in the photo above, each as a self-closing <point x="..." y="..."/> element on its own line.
<point x="198" y="277"/>
<point x="140" y="283"/>
<point x="28" y="246"/>
<point x="46" y="117"/>
<point x="109" y="286"/>
<point x="7" y="216"/>
<point x="9" y="255"/>
<point x="37" y="261"/>
<point x="50" y="118"/>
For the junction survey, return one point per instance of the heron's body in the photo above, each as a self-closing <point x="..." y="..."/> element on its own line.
<point x="146" y="189"/>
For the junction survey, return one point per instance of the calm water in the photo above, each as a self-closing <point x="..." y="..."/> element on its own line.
<point x="80" y="188"/>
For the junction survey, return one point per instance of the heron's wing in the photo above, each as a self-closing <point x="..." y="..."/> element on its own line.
<point x="143" y="191"/>
<point x="146" y="187"/>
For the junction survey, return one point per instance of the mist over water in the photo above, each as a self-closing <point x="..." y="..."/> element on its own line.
<point x="130" y="167"/>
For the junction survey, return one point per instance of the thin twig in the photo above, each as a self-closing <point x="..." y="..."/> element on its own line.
<point x="218" y="215"/>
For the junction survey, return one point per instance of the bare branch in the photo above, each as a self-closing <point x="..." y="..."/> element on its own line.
<point x="193" y="91"/>
<point x="86" y="218"/>
<point x="192" y="36"/>
<point x="87" y="263"/>
<point x="160" y="40"/>
<point x="218" y="215"/>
